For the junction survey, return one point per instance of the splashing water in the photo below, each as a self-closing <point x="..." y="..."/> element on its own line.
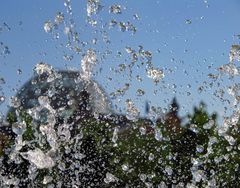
<point x="64" y="133"/>
<point x="38" y="158"/>
<point x="87" y="63"/>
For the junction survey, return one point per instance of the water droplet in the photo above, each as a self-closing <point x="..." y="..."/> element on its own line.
<point x="5" y="50"/>
<point x="93" y="7"/>
<point x="138" y="77"/>
<point x="147" y="54"/>
<point x="19" y="128"/>
<point x="67" y="30"/>
<point x="142" y="130"/>
<point x="115" y="135"/>
<point x="140" y="92"/>
<point x="234" y="53"/>
<point x="47" y="179"/>
<point x="188" y="21"/>
<point x="94" y="41"/>
<point x="151" y="157"/>
<point x="68" y="57"/>
<point x="59" y="17"/>
<point x="88" y="62"/>
<point x="168" y="170"/>
<point x="132" y="111"/>
<point x="125" y="167"/>
<point x="230" y="139"/>
<point x="2" y="99"/>
<point x="158" y="134"/>
<point x="42" y="68"/>
<point x="48" y="26"/>
<point x="129" y="50"/>
<point x="209" y="124"/>
<point x="194" y="128"/>
<point x="14" y="102"/>
<point x="155" y="73"/>
<point x="127" y="27"/>
<point x="19" y="71"/>
<point x="198" y="175"/>
<point x="143" y="177"/>
<point x="43" y="101"/>
<point x="136" y="17"/>
<point x="113" y="23"/>
<point x="199" y="148"/>
<point x="2" y="81"/>
<point x="110" y="178"/>
<point x="6" y="26"/>
<point x="116" y="9"/>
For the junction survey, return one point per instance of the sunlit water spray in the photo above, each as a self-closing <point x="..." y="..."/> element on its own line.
<point x="66" y="133"/>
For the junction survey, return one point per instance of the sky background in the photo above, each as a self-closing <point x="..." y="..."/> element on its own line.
<point x="188" y="40"/>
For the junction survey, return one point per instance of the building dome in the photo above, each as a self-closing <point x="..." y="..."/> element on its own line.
<point x="63" y="90"/>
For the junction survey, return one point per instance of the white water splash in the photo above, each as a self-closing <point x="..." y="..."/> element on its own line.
<point x="88" y="63"/>
<point x="38" y="158"/>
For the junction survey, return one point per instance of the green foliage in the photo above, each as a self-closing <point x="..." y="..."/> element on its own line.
<point x="11" y="117"/>
<point x="29" y="132"/>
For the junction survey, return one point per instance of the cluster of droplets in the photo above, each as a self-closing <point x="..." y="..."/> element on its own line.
<point x="145" y="57"/>
<point x="50" y="26"/>
<point x="64" y="24"/>
<point x="123" y="26"/>
<point x="67" y="4"/>
<point x="93" y="7"/>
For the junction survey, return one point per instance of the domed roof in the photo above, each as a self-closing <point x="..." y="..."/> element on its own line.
<point x="63" y="90"/>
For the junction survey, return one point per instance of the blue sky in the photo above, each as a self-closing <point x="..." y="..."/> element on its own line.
<point x="191" y="51"/>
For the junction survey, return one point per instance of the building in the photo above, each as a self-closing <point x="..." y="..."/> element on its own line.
<point x="64" y="94"/>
